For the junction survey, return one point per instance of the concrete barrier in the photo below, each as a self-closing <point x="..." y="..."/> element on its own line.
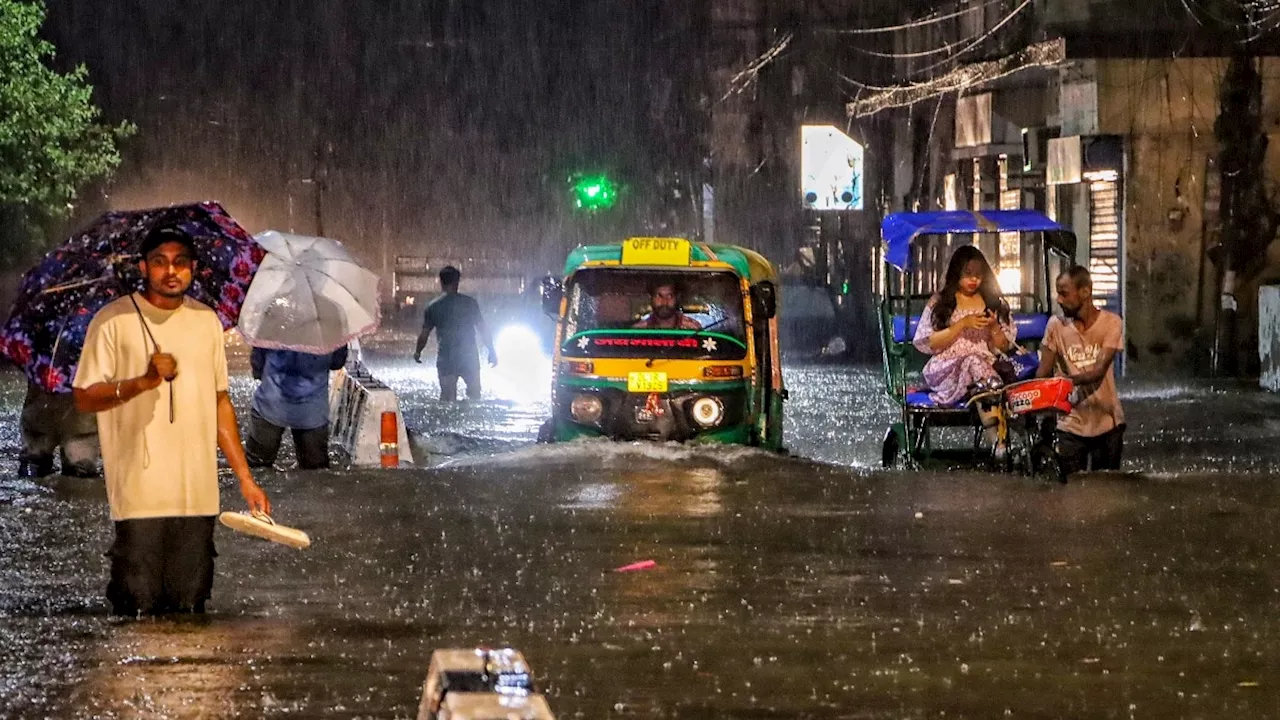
<point x="1269" y="336"/>
<point x="357" y="401"/>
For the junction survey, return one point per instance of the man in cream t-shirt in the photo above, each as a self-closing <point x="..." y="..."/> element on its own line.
<point x="154" y="370"/>
<point x="1084" y="348"/>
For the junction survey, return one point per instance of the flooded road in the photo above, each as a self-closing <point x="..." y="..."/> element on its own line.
<point x="814" y="586"/>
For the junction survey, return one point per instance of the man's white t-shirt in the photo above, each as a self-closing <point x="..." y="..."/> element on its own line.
<point x="155" y="468"/>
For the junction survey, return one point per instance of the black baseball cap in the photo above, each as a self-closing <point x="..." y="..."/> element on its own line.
<point x="162" y="235"/>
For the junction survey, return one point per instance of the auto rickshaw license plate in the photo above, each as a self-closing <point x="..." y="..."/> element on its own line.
<point x="647" y="382"/>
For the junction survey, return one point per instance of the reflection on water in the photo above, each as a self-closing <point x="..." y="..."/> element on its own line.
<point x="594" y="496"/>
<point x="656" y="491"/>
<point x="701" y="488"/>
<point x="184" y="667"/>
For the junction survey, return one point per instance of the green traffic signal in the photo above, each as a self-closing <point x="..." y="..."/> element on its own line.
<point x="593" y="192"/>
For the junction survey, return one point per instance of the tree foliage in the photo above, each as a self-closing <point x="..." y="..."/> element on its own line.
<point x="52" y="141"/>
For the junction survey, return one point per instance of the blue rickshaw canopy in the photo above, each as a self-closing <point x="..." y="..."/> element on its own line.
<point x="900" y="229"/>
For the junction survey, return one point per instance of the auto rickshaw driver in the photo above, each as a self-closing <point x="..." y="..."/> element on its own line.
<point x="666" y="309"/>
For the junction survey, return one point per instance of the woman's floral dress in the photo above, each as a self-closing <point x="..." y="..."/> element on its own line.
<point x="968" y="359"/>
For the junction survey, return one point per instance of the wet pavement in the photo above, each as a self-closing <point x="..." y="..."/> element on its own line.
<point x="814" y="586"/>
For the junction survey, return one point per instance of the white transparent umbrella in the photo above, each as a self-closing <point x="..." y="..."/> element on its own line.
<point x="309" y="295"/>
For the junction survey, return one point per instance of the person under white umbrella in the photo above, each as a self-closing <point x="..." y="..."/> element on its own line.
<point x="308" y="301"/>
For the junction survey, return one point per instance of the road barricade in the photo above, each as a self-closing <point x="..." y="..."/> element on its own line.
<point x="357" y="404"/>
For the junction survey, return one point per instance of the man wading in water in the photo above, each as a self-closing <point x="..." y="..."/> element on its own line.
<point x="457" y="318"/>
<point x="1084" y="348"/>
<point x="155" y="371"/>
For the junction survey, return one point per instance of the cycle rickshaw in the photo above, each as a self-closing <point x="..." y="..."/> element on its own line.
<point x="1028" y="250"/>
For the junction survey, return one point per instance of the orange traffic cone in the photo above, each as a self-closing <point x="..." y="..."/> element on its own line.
<point x="390" y="444"/>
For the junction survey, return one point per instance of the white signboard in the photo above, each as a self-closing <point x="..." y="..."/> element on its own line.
<point x="974" y="121"/>
<point x="1079" y="106"/>
<point x="830" y="169"/>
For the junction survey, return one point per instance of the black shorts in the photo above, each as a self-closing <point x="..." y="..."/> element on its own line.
<point x="161" y="565"/>
<point x="1077" y="453"/>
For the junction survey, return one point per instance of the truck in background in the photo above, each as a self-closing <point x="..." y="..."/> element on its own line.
<point x="415" y="281"/>
<point x="506" y="296"/>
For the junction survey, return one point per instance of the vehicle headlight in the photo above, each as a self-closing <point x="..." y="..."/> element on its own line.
<point x="586" y="408"/>
<point x="708" y="411"/>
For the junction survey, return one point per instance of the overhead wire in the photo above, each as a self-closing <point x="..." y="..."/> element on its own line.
<point x="1267" y="24"/>
<point x="921" y="22"/>
<point x="743" y="79"/>
<point x="1259" y="17"/>
<point x="1046" y="54"/>
<point x="1256" y="18"/>
<point x="965" y="47"/>
<point x="977" y="41"/>
<point x="1265" y="18"/>
<point x="1198" y="10"/>
<point x="969" y="43"/>
<point x="911" y="55"/>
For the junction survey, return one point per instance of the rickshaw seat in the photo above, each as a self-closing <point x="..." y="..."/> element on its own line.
<point x="614" y="310"/>
<point x="920" y="399"/>
<point x="1030" y="327"/>
<point x="902" y="332"/>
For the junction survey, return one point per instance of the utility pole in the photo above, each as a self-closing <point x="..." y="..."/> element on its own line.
<point x="320" y="180"/>
<point x="1249" y="222"/>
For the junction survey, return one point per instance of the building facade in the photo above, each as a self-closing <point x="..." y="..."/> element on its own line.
<point x="1102" y="114"/>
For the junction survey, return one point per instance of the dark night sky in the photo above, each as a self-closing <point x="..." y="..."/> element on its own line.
<point x="451" y="122"/>
<point x="451" y="126"/>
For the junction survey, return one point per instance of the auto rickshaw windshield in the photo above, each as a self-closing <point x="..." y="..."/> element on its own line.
<point x="613" y="299"/>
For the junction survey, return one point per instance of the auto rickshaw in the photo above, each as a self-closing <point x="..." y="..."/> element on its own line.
<point x="916" y="248"/>
<point x="666" y="339"/>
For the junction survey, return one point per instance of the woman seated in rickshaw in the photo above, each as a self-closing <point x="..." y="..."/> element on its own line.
<point x="962" y="327"/>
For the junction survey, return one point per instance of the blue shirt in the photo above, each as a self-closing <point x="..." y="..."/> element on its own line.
<point x="294" y="392"/>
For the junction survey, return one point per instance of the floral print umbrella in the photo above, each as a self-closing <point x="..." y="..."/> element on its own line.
<point x="58" y="297"/>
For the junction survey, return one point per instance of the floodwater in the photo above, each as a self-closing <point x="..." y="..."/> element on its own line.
<point x="812" y="586"/>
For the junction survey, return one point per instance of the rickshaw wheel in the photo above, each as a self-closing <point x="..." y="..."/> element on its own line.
<point x="891" y="449"/>
<point x="1045" y="463"/>
<point x="1053" y="468"/>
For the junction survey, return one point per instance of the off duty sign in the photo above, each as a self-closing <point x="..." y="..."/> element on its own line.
<point x="656" y="251"/>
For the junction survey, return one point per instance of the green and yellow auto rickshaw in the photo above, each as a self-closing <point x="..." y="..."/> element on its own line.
<point x="666" y="339"/>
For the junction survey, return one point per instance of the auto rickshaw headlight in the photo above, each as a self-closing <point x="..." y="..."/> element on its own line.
<point x="586" y="408"/>
<point x="708" y="412"/>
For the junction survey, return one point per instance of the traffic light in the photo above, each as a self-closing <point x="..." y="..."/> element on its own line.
<point x="593" y="192"/>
